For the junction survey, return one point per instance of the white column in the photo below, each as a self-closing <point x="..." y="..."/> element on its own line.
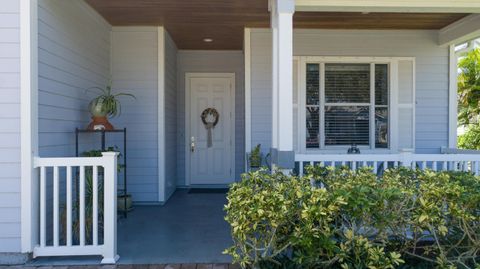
<point x="29" y="123"/>
<point x="274" y="27"/>
<point x="110" y="255"/>
<point x="282" y="75"/>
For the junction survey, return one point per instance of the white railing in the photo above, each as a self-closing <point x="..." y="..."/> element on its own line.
<point x="380" y="162"/>
<point x="83" y="225"/>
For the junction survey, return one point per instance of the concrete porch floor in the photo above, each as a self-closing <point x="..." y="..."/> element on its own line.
<point x="188" y="229"/>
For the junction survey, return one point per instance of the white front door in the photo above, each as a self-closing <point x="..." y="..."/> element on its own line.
<point x="210" y="162"/>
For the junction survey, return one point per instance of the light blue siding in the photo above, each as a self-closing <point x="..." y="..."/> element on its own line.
<point x="9" y="128"/>
<point x="73" y="55"/>
<point x="135" y="70"/>
<point x="211" y="62"/>
<point x="431" y="74"/>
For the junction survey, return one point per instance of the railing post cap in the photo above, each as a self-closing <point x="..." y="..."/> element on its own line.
<point x="110" y="154"/>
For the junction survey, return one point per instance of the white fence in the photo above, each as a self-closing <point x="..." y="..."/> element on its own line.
<point x="79" y="222"/>
<point x="380" y="162"/>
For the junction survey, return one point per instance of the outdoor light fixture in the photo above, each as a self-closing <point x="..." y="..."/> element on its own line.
<point x="207" y="40"/>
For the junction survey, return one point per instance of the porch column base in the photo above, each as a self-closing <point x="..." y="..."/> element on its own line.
<point x="14" y="258"/>
<point x="282" y="159"/>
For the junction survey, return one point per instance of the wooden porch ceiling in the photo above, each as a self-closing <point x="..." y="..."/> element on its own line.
<point x="190" y="21"/>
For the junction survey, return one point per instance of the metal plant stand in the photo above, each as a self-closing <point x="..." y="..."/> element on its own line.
<point x="122" y="191"/>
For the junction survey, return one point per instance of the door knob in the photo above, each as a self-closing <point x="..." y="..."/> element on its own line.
<point x="192" y="144"/>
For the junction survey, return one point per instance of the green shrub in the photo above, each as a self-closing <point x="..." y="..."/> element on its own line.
<point x="470" y="139"/>
<point x="404" y="219"/>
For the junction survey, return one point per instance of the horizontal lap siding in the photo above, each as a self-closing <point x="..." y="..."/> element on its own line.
<point x="431" y="74"/>
<point x="211" y="62"/>
<point x="74" y="55"/>
<point x="9" y="127"/>
<point x="135" y="70"/>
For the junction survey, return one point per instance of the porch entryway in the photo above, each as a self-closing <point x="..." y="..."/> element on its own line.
<point x="190" y="228"/>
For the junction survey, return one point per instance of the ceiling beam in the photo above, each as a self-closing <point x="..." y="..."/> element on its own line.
<point x="401" y="6"/>
<point x="460" y="31"/>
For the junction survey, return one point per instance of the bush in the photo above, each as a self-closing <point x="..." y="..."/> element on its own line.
<point x="404" y="219"/>
<point x="470" y="139"/>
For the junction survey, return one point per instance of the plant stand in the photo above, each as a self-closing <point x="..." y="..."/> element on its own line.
<point x="103" y="133"/>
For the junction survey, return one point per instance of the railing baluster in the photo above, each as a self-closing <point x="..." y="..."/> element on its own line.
<point x="375" y="166"/>
<point x="354" y="165"/>
<point x="364" y="164"/>
<point x="444" y="166"/>
<point x="43" y="207"/>
<point x="475" y="171"/>
<point x="56" y="207"/>
<point x="424" y="165"/>
<point x="82" y="206"/>
<point x="95" y="204"/>
<point x="300" y="169"/>
<point x="385" y="166"/>
<point x="69" y="206"/>
<point x="434" y="166"/>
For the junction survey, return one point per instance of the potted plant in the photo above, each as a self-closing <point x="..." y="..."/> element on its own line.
<point x="255" y="157"/>
<point x="105" y="105"/>
<point x="124" y="201"/>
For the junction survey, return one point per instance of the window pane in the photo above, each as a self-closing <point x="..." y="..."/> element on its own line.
<point x="313" y="84"/>
<point x="347" y="83"/>
<point x="381" y="127"/>
<point x="313" y="123"/>
<point x="381" y="84"/>
<point x="347" y="125"/>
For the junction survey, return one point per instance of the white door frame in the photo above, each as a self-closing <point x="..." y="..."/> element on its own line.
<point x="188" y="76"/>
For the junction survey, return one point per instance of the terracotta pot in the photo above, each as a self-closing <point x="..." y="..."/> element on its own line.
<point x="100" y="123"/>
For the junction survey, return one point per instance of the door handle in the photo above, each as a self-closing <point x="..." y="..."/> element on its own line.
<point x="192" y="144"/>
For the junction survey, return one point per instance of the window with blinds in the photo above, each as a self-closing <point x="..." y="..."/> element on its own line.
<point x="340" y="100"/>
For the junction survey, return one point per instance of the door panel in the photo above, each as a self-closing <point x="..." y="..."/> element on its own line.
<point x="211" y="165"/>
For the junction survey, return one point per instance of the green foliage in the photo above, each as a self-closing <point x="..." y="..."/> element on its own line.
<point x="469" y="88"/>
<point x="407" y="218"/>
<point x="255" y="157"/>
<point x="470" y="139"/>
<point x="106" y="103"/>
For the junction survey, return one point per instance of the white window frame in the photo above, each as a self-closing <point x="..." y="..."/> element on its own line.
<point x="392" y="63"/>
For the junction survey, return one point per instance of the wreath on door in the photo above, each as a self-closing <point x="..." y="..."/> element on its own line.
<point x="209" y="125"/>
<point x="214" y="113"/>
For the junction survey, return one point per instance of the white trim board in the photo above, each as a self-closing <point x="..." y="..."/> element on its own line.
<point x="465" y="29"/>
<point x="452" y="98"/>
<point x="405" y="6"/>
<point x="189" y="75"/>
<point x="29" y="122"/>
<point x="161" y="114"/>
<point x="248" y="92"/>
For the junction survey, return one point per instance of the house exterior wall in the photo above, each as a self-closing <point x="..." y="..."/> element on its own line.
<point x="211" y="62"/>
<point x="170" y="116"/>
<point x="135" y="70"/>
<point x="9" y="129"/>
<point x="431" y="74"/>
<point x="73" y="56"/>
